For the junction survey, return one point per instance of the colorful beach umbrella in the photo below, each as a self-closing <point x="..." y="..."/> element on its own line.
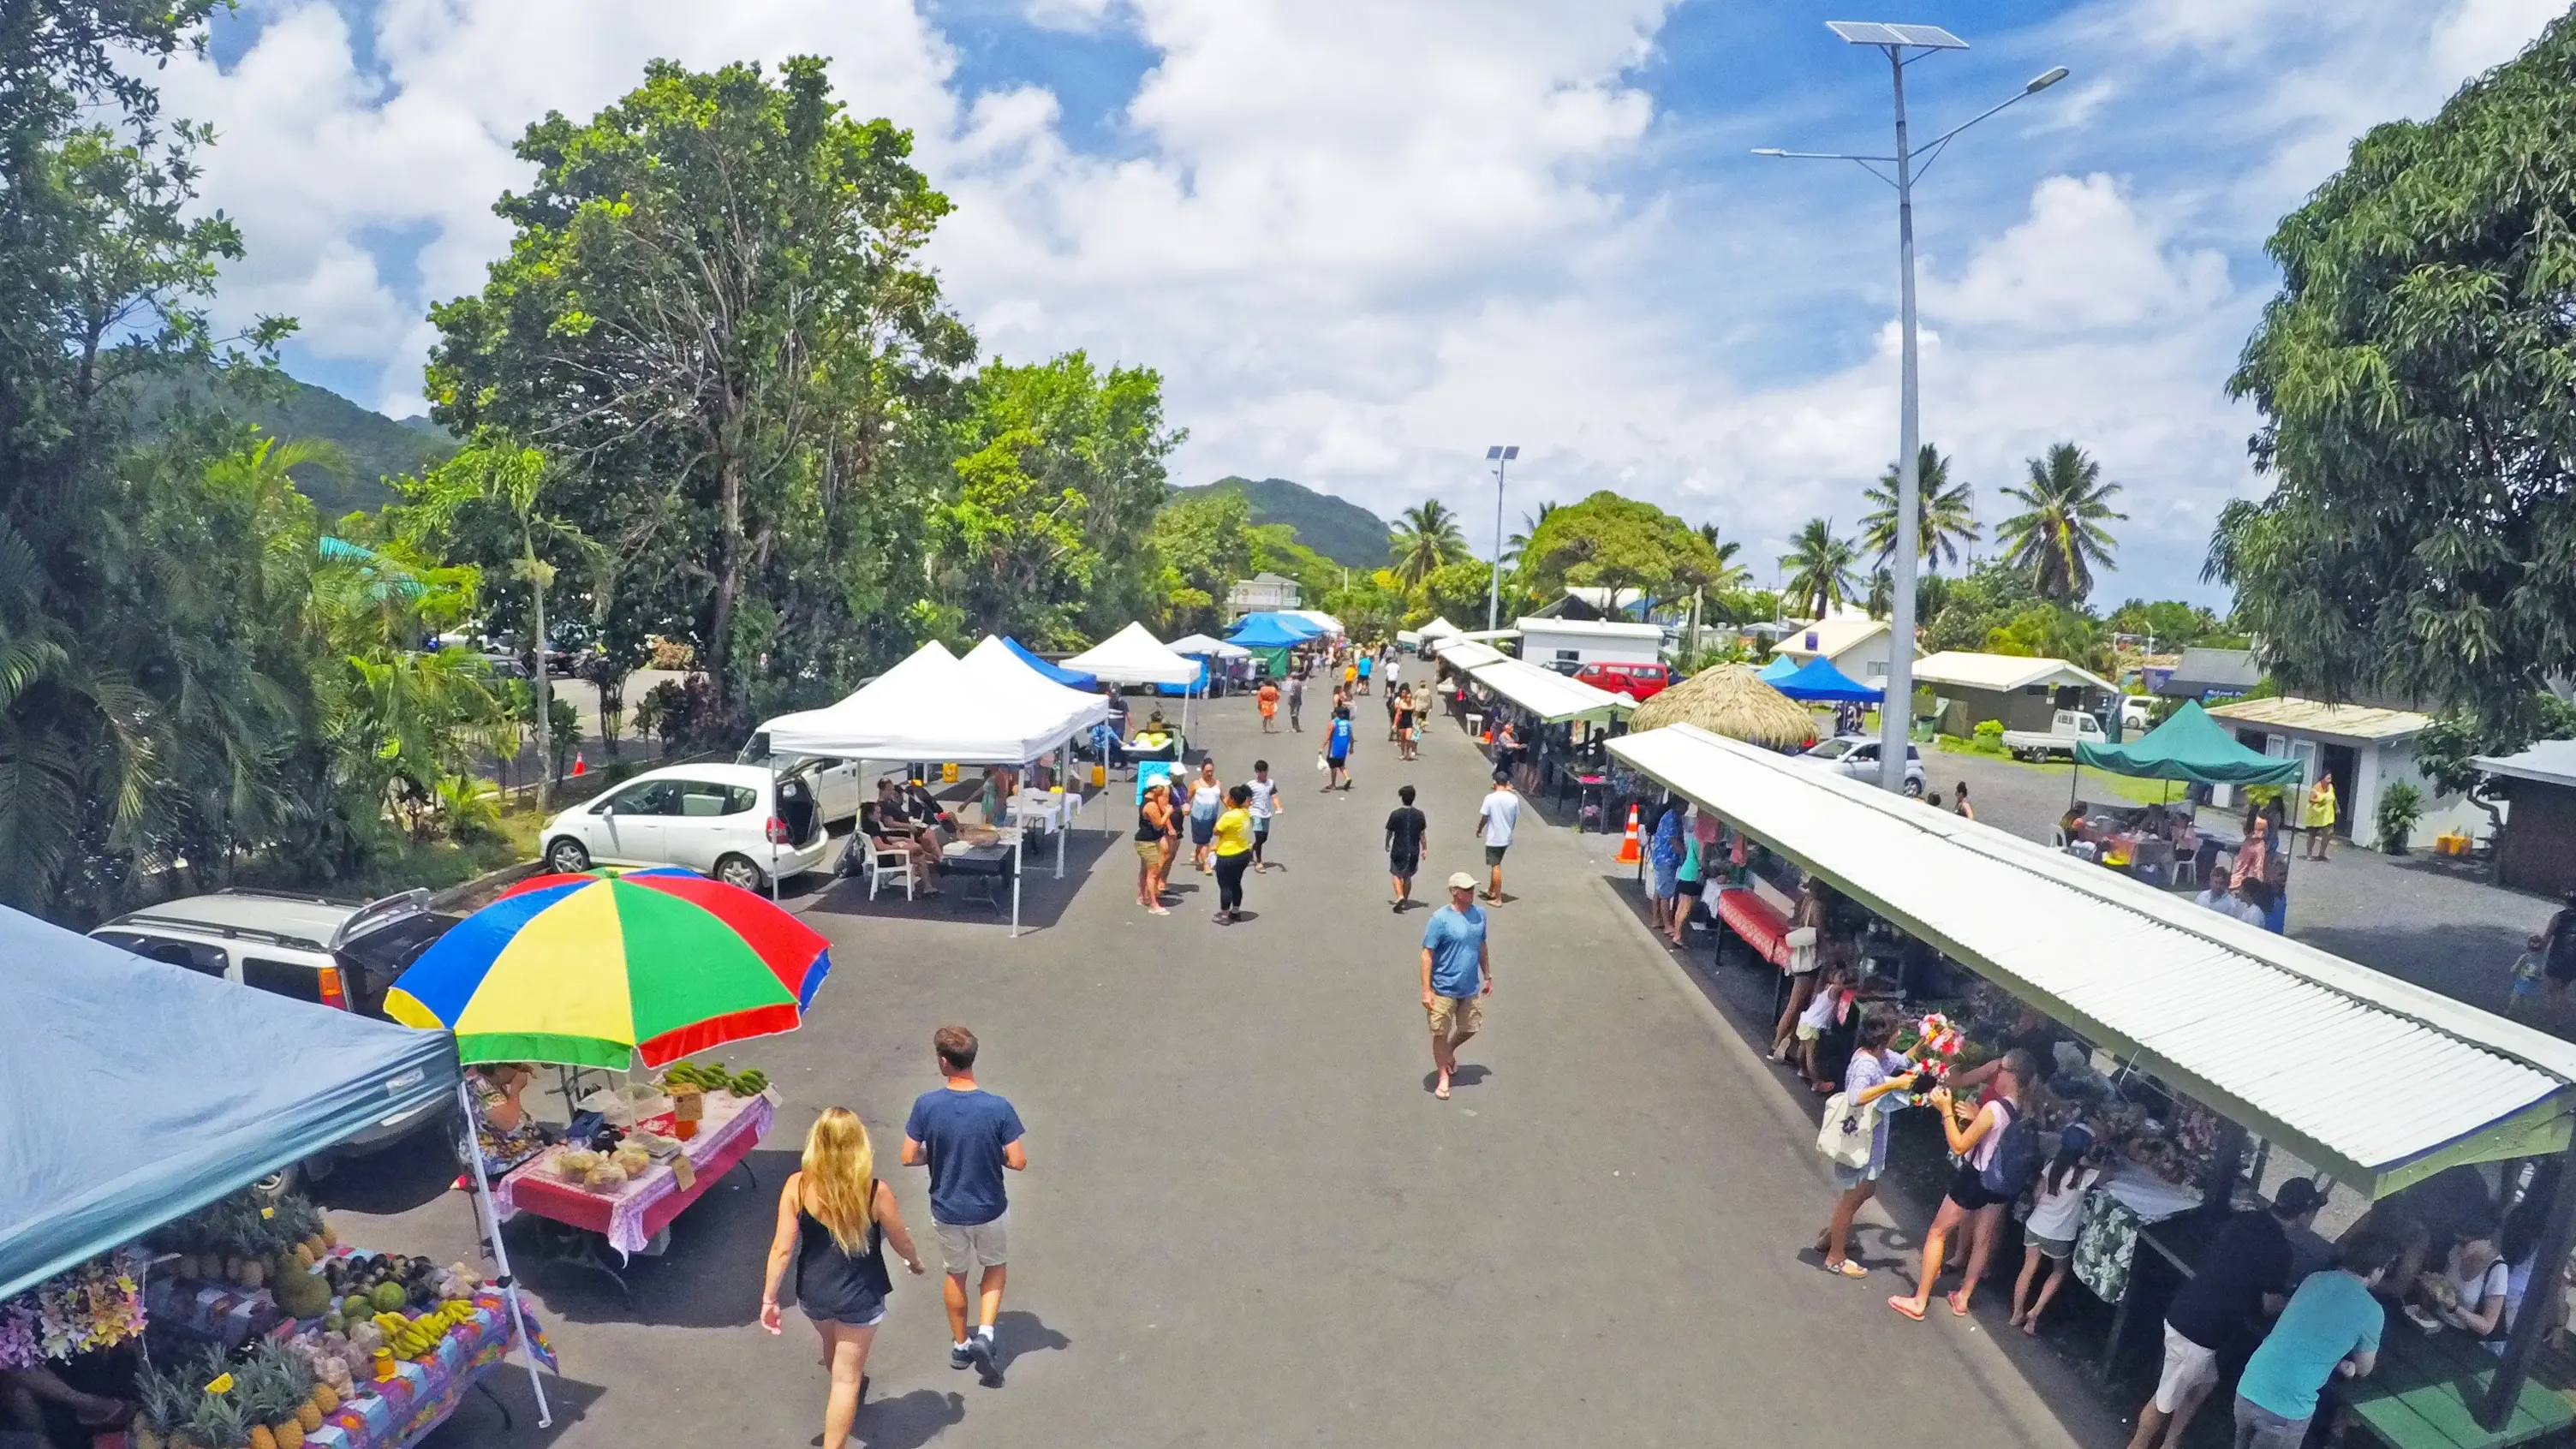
<point x="594" y="970"/>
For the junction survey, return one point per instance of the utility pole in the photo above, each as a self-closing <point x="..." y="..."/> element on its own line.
<point x="1499" y="455"/>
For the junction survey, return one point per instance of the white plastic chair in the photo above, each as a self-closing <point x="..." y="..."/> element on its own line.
<point x="890" y="862"/>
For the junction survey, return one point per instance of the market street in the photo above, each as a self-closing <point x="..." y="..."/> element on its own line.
<point x="1245" y="1218"/>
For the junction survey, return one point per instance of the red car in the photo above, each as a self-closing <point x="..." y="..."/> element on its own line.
<point x="1640" y="682"/>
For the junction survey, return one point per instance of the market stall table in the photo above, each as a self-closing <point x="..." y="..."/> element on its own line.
<point x="2424" y="1392"/>
<point x="985" y="866"/>
<point x="424" y="1391"/>
<point x="635" y="1214"/>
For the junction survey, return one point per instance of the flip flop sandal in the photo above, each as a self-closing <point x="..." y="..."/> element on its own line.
<point x="1905" y="1306"/>
<point x="1848" y="1269"/>
<point x="1957" y="1308"/>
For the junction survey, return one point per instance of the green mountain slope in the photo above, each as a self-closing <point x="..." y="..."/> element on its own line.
<point x="1339" y="530"/>
<point x="377" y="447"/>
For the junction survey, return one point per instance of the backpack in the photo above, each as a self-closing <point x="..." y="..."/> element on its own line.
<point x="2014" y="1165"/>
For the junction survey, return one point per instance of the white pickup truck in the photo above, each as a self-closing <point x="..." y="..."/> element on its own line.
<point x="2069" y="728"/>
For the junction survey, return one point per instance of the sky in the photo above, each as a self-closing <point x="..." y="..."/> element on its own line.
<point x="1363" y="240"/>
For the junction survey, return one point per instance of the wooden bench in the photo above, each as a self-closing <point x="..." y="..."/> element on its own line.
<point x="2427" y="1389"/>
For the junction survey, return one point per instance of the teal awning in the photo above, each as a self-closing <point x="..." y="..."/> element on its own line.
<point x="2190" y="746"/>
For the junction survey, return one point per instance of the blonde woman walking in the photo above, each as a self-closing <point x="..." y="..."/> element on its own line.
<point x="835" y="1218"/>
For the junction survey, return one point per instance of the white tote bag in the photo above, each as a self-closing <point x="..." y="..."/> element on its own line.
<point x="1848" y="1132"/>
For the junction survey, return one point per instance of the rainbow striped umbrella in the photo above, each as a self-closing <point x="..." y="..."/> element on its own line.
<point x="593" y="970"/>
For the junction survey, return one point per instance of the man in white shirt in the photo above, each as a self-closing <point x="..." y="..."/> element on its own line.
<point x="1265" y="804"/>
<point x="1501" y="811"/>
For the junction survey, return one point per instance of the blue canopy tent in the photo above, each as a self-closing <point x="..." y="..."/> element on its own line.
<point x="1197" y="687"/>
<point x="1070" y="678"/>
<point x="1780" y="668"/>
<point x="141" y="1091"/>
<point x="1271" y="636"/>
<point x="1818" y="679"/>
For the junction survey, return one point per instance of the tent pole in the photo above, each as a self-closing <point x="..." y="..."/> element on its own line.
<point x="1015" y="882"/>
<point x="2557" y="1234"/>
<point x="500" y="1253"/>
<point x="1063" y="827"/>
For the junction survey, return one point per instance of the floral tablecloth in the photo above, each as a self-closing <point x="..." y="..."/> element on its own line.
<point x="425" y="1390"/>
<point x="630" y="1217"/>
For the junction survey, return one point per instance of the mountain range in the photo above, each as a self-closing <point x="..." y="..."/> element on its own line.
<point x="1338" y="529"/>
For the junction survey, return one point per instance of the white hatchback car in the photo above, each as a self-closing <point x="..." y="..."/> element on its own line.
<point x="738" y="823"/>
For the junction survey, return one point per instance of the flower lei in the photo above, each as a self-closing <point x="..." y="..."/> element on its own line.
<point x="96" y="1305"/>
<point x="1936" y="1048"/>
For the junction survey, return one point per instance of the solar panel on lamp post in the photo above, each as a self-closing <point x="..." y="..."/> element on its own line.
<point x="1499" y="455"/>
<point x="1896" y="706"/>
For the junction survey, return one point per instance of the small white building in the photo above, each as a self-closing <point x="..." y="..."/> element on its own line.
<point x="1858" y="645"/>
<point x="1263" y="593"/>
<point x="2363" y="748"/>
<point x="1551" y="643"/>
<point x="2015" y="690"/>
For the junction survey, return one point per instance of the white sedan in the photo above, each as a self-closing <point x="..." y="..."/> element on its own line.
<point x="719" y="820"/>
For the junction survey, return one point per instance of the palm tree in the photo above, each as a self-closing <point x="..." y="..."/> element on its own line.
<point x="1821" y="569"/>
<point x="1945" y="515"/>
<point x="1426" y="538"/>
<point x="2058" y="535"/>
<point x="1519" y="542"/>
<point x="1730" y="574"/>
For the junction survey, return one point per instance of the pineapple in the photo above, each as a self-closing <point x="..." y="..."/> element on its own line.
<point x="164" y="1409"/>
<point x="219" y="1423"/>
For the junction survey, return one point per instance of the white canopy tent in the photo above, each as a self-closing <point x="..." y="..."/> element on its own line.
<point x="1318" y="618"/>
<point x="1553" y="697"/>
<point x="1211" y="647"/>
<point x="1467" y="655"/>
<point x="932" y="707"/>
<point x="993" y="663"/>
<point x="1134" y="656"/>
<point x="1438" y="628"/>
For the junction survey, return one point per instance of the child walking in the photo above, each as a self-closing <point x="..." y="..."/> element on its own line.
<point x="1828" y="1004"/>
<point x="2056" y="1216"/>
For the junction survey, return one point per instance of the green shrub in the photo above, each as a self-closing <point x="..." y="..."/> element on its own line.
<point x="2400" y="806"/>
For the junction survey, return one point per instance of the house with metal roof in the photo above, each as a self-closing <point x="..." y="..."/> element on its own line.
<point x="2207" y="674"/>
<point x="1858" y="645"/>
<point x="2020" y="691"/>
<point x="2365" y="748"/>
<point x="2536" y="850"/>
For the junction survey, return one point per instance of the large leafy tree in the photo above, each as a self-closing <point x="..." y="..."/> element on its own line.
<point x="2416" y="375"/>
<point x="712" y="317"/>
<point x="1822" y="568"/>
<point x="1204" y="540"/>
<point x="1945" y="518"/>
<point x="1629" y="547"/>
<point x="1426" y="538"/>
<point x="2059" y="535"/>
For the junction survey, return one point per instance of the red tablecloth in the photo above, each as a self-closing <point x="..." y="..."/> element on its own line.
<point x="1751" y="917"/>
<point x="629" y="1219"/>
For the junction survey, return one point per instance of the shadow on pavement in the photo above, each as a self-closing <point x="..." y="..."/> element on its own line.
<point x="478" y="1421"/>
<point x="2450" y="950"/>
<point x="1043" y="898"/>
<point x="408" y="1174"/>
<point x="708" y="1277"/>
<point x="1467" y="1075"/>
<point x="906" y="1421"/>
<point x="1022" y="1333"/>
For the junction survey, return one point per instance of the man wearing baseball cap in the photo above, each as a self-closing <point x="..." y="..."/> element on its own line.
<point x="1457" y="975"/>
<point x="2243" y="1279"/>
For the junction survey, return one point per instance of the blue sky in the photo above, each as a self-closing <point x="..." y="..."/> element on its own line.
<point x="1363" y="240"/>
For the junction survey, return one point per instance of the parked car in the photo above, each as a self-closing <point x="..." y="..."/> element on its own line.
<point x="337" y="953"/>
<point x="1640" y="682"/>
<point x="839" y="789"/>
<point x="738" y="823"/>
<point x="1856" y="757"/>
<point x="2066" y="729"/>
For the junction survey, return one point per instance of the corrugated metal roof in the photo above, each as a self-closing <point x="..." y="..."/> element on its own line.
<point x="2550" y="762"/>
<point x="2360" y="1073"/>
<point x="2005" y="672"/>
<point x="1551" y="696"/>
<point x="1464" y="653"/>
<point x="1600" y="628"/>
<point x="2350" y="721"/>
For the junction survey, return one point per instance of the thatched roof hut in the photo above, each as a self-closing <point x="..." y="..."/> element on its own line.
<point x="1728" y="699"/>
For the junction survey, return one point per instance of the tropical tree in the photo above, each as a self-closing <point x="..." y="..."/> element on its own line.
<point x="1514" y="546"/>
<point x="1620" y="544"/>
<point x="1426" y="538"/>
<point x="2059" y="535"/>
<point x="1823" y="569"/>
<point x="711" y="315"/>
<point x="2411" y="376"/>
<point x="1945" y="512"/>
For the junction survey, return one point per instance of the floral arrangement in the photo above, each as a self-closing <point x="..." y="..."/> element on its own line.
<point x="96" y="1305"/>
<point x="1935" y="1045"/>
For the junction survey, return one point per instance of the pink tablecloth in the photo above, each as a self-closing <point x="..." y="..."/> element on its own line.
<point x="630" y="1217"/>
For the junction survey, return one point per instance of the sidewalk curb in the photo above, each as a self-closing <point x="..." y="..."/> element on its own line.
<point x="468" y="892"/>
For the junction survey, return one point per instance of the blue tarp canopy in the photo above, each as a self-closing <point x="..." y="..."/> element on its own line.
<point x="1271" y="631"/>
<point x="140" y="1091"/>
<point x="1780" y="667"/>
<point x="1071" y="678"/>
<point x="1195" y="686"/>
<point x="1819" y="679"/>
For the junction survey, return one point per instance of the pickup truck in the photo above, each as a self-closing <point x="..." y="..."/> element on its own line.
<point x="2069" y="728"/>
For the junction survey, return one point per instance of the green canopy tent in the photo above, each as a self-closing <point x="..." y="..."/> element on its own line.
<point x="2189" y="746"/>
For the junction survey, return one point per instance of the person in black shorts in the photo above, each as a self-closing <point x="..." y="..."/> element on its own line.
<point x="836" y="1218"/>
<point x="2556" y="948"/>
<point x="1405" y="828"/>
<point x="1974" y="1144"/>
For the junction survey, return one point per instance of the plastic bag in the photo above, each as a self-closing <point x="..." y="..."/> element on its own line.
<point x="626" y="1104"/>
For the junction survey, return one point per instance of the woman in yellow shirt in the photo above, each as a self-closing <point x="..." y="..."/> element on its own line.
<point x="2320" y="819"/>
<point x="1233" y="853"/>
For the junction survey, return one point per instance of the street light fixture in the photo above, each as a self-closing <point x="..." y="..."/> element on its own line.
<point x="1895" y="714"/>
<point x="1500" y="454"/>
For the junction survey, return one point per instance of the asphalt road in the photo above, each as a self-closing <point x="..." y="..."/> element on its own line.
<point x="1247" y="1221"/>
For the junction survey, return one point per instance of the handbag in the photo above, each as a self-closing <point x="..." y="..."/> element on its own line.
<point x="1801" y="941"/>
<point x="1848" y="1132"/>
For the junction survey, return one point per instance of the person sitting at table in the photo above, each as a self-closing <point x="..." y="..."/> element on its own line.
<point x="923" y="808"/>
<point x="891" y="835"/>
<point x="2469" y="1291"/>
<point x="2071" y="824"/>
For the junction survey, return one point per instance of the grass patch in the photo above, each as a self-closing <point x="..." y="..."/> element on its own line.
<point x="2127" y="787"/>
<point x="405" y="864"/>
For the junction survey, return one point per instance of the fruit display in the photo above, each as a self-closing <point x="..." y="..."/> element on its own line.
<point x="246" y="1240"/>
<point x="268" y="1398"/>
<point x="713" y="1077"/>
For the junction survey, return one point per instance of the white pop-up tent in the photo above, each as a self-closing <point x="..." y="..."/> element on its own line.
<point x="998" y="667"/>
<point x="932" y="707"/>
<point x="1134" y="656"/>
<point x="1210" y="646"/>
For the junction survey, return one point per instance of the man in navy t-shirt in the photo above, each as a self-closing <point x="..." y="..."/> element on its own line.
<point x="967" y="1136"/>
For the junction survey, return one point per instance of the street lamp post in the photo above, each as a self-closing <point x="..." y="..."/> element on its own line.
<point x="1499" y="455"/>
<point x="1896" y="709"/>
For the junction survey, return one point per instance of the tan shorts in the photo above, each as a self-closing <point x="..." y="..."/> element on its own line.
<point x="2189" y="1368"/>
<point x="1468" y="1012"/>
<point x="1150" y="851"/>
<point x="962" y="1249"/>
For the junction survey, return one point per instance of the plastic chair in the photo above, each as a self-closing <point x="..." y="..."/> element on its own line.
<point x="891" y="862"/>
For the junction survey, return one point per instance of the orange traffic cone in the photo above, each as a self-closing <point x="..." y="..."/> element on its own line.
<point x="578" y="768"/>
<point x="1629" y="853"/>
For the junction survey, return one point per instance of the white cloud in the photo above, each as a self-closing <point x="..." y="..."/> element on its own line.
<point x="1362" y="238"/>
